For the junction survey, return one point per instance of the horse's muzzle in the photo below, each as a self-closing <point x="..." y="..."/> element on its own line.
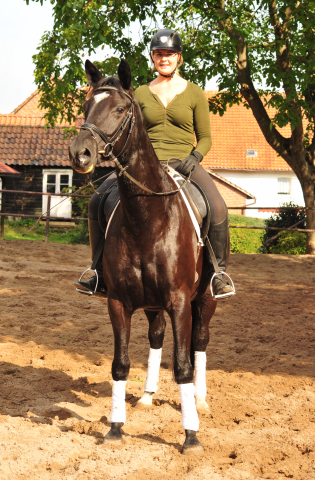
<point x="81" y="158"/>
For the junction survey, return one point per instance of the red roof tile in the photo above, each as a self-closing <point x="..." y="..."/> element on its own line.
<point x="29" y="106"/>
<point x="236" y="132"/>
<point x="24" y="140"/>
<point x="33" y="145"/>
<point x="6" y="170"/>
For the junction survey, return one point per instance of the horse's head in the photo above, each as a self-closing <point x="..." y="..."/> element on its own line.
<point x="108" y="117"/>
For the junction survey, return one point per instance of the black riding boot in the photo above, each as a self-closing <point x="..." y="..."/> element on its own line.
<point x="96" y="236"/>
<point x="220" y="242"/>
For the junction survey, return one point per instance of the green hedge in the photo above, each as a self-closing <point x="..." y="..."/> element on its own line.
<point x="286" y="242"/>
<point x="291" y="243"/>
<point x="243" y="240"/>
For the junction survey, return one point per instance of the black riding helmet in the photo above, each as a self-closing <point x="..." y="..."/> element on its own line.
<point x="166" y="39"/>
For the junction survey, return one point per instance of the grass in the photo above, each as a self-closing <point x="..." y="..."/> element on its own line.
<point x="14" y="230"/>
<point x="242" y="240"/>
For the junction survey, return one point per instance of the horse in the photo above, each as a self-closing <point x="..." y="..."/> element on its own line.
<point x="152" y="258"/>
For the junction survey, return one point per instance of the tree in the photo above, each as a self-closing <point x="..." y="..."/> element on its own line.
<point x="244" y="42"/>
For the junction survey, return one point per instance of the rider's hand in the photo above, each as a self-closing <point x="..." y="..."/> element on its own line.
<point x="189" y="163"/>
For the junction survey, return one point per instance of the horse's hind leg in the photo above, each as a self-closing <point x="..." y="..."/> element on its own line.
<point x="202" y="311"/>
<point x="121" y="321"/>
<point x="156" y="336"/>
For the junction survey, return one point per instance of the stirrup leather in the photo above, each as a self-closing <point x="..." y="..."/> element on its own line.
<point x="88" y="292"/>
<point x="223" y="295"/>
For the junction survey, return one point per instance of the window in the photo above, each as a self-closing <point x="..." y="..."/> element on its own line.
<point x="284" y="185"/>
<point x="54" y="181"/>
<point x="250" y="152"/>
<point x="51" y="183"/>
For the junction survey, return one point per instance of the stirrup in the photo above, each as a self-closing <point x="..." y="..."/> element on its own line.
<point x="223" y="295"/>
<point x="88" y="292"/>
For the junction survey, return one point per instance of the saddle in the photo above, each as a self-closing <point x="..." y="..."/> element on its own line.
<point x="194" y="194"/>
<point x="199" y="205"/>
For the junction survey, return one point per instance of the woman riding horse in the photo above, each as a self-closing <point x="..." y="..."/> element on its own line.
<point x="173" y="109"/>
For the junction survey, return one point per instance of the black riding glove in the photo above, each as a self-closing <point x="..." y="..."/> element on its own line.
<point x="189" y="163"/>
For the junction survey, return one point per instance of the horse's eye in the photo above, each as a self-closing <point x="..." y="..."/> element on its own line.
<point x="120" y="110"/>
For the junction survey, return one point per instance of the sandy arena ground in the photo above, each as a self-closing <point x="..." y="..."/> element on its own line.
<point x="55" y="357"/>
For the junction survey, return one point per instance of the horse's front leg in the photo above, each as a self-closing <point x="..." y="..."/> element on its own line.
<point x="121" y="321"/>
<point x="180" y="314"/>
<point x="202" y="311"/>
<point x="157" y="326"/>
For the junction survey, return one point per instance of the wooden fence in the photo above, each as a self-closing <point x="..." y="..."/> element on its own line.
<point x="47" y="217"/>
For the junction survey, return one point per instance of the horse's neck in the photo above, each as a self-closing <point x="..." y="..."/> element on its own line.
<point x="144" y="166"/>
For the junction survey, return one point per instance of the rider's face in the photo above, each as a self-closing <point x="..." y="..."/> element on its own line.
<point x="165" y="61"/>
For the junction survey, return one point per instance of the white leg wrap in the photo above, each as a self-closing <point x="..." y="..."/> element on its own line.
<point x="200" y="374"/>
<point x="154" y="362"/>
<point x="190" y="420"/>
<point x="118" y="413"/>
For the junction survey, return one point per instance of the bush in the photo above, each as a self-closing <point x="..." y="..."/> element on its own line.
<point x="284" y="219"/>
<point x="80" y="234"/>
<point x="244" y="240"/>
<point x="291" y="243"/>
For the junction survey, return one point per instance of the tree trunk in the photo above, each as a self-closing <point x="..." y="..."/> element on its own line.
<point x="309" y="197"/>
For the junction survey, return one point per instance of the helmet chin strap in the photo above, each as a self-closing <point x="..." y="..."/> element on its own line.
<point x="170" y="75"/>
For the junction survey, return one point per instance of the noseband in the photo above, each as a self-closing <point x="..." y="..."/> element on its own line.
<point x="110" y="142"/>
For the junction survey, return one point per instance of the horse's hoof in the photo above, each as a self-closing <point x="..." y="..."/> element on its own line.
<point x="114" y="435"/>
<point x="145" y="401"/>
<point x="202" y="405"/>
<point x="192" y="446"/>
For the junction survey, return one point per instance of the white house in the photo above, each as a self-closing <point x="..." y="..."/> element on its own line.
<point x="241" y="154"/>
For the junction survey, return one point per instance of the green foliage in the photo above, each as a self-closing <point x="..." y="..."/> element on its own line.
<point x="244" y="240"/>
<point x="291" y="243"/>
<point x="244" y="43"/>
<point x="213" y="36"/>
<point x="284" y="219"/>
<point x="81" y="27"/>
<point x="83" y="202"/>
<point x="80" y="234"/>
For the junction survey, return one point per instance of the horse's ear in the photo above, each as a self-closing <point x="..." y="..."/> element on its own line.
<point x="124" y="74"/>
<point x="93" y="75"/>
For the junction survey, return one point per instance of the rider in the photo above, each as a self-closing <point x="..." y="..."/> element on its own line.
<point x="174" y="110"/>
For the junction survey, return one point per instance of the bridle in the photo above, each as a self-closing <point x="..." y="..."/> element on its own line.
<point x="110" y="142"/>
<point x="107" y="152"/>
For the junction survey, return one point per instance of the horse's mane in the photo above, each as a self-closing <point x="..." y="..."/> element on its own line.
<point x="111" y="82"/>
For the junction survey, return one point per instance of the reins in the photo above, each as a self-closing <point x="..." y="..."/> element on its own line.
<point x="107" y="152"/>
<point x="123" y="172"/>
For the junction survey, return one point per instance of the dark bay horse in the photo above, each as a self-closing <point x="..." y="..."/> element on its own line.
<point x="152" y="258"/>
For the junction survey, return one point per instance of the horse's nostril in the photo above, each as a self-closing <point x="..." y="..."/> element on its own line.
<point x="86" y="153"/>
<point x="84" y="156"/>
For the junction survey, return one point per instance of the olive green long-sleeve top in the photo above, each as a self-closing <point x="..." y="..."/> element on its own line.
<point x="171" y="129"/>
